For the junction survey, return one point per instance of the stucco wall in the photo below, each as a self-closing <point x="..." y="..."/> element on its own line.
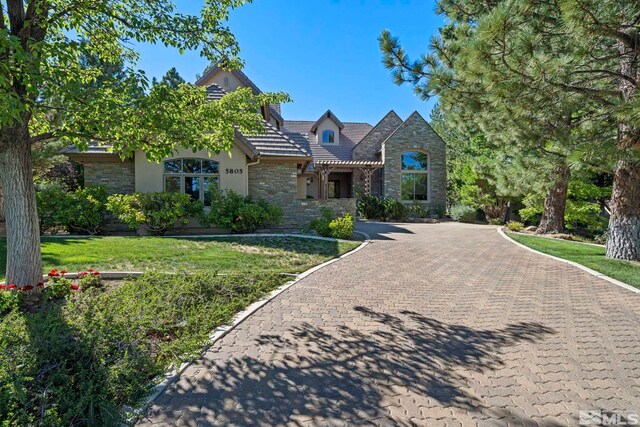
<point x="327" y="124"/>
<point x="116" y="175"/>
<point x="219" y="79"/>
<point x="149" y="175"/>
<point x="416" y="134"/>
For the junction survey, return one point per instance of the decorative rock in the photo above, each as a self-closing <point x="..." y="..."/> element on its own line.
<point x="531" y="229"/>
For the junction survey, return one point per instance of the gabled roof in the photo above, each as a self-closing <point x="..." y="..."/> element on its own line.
<point x="414" y="116"/>
<point x="327" y="115"/>
<point x="274" y="109"/>
<point x="271" y="142"/>
<point x="275" y="143"/>
<point x="237" y="74"/>
<point x="391" y="115"/>
<point x="350" y="135"/>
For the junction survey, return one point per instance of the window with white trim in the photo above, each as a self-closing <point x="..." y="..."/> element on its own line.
<point x="199" y="178"/>
<point x="415" y="176"/>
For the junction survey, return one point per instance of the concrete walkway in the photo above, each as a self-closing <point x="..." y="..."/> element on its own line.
<point x="432" y="325"/>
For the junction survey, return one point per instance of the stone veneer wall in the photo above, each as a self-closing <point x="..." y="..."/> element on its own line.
<point x="416" y="133"/>
<point x="118" y="176"/>
<point x="368" y="148"/>
<point x="275" y="182"/>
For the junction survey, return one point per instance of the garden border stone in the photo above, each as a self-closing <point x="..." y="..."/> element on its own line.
<point x="573" y="263"/>
<point x="172" y="374"/>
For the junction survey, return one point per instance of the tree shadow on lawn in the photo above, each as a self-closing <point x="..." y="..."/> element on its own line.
<point x="314" y="373"/>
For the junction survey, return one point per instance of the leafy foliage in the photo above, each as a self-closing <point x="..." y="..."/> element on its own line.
<point x="371" y="207"/>
<point x="395" y="210"/>
<point x="157" y="212"/>
<point x="329" y="226"/>
<point x="82" y="211"/>
<point x="515" y="226"/>
<point x="584" y="205"/>
<point x="342" y="227"/>
<point x="96" y="351"/>
<point x="463" y="213"/>
<point x="240" y="214"/>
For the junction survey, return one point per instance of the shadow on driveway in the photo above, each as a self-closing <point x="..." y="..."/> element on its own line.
<point x="340" y="373"/>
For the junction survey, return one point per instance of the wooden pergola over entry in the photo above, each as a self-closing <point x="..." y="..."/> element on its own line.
<point x="326" y="167"/>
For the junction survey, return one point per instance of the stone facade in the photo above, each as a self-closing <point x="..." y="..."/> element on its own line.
<point x="276" y="183"/>
<point x="117" y="176"/>
<point x="371" y="144"/>
<point x="416" y="134"/>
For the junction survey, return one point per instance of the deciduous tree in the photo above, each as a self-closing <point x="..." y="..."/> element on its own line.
<point x="42" y="44"/>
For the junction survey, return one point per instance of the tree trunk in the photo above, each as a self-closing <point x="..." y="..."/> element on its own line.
<point x="555" y="203"/>
<point x="1" y="205"/>
<point x="623" y="239"/>
<point x="24" y="265"/>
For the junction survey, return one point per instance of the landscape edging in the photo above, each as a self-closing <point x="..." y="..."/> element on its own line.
<point x="172" y="375"/>
<point x="573" y="263"/>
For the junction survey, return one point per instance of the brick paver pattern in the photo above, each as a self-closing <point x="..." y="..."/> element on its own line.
<point x="431" y="325"/>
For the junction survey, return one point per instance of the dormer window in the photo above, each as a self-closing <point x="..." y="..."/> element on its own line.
<point x="328" y="136"/>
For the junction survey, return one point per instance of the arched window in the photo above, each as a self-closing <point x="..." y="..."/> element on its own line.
<point x="328" y="136"/>
<point x="415" y="176"/>
<point x="198" y="178"/>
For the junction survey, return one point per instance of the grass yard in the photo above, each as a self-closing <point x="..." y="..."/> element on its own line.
<point x="77" y="357"/>
<point x="166" y="254"/>
<point x="588" y="255"/>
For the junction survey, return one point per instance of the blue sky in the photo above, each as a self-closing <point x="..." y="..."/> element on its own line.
<point x="324" y="53"/>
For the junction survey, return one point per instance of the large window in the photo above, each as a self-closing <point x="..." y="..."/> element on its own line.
<point x="415" y="176"/>
<point x="328" y="136"/>
<point x="198" y="178"/>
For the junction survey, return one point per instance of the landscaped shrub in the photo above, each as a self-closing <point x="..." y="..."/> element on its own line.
<point x="90" y="279"/>
<point x="158" y="212"/>
<point x="371" y="207"/>
<point x="342" y="227"/>
<point x="463" y="213"/>
<point x="82" y="211"/>
<point x="495" y="221"/>
<point x="52" y="202"/>
<point x="240" y="214"/>
<point x="439" y="211"/>
<point x="418" y="210"/>
<point x="515" y="225"/>
<point x="395" y="210"/>
<point x="9" y="300"/>
<point x="328" y="226"/>
<point x="76" y="361"/>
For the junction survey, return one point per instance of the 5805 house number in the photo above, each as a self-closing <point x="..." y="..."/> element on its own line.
<point x="233" y="171"/>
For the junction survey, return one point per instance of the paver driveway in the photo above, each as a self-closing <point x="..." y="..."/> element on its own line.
<point x="431" y="324"/>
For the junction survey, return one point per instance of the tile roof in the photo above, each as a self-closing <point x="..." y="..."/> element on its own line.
<point x="275" y="143"/>
<point x="350" y="135"/>
<point x="272" y="142"/>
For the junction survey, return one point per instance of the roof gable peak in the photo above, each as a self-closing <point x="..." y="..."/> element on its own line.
<point x="327" y="115"/>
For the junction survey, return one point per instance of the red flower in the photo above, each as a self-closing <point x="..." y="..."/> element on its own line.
<point x="53" y="273"/>
<point x="12" y="286"/>
<point x="40" y="284"/>
<point x="64" y="272"/>
<point x="75" y="287"/>
<point x="3" y="287"/>
<point x="95" y="273"/>
<point x="27" y="288"/>
<point x="90" y="270"/>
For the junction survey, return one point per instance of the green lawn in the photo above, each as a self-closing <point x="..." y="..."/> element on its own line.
<point x="166" y="254"/>
<point x="588" y="255"/>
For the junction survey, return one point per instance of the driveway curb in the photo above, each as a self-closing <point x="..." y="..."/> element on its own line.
<point x="575" y="264"/>
<point x="219" y="333"/>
